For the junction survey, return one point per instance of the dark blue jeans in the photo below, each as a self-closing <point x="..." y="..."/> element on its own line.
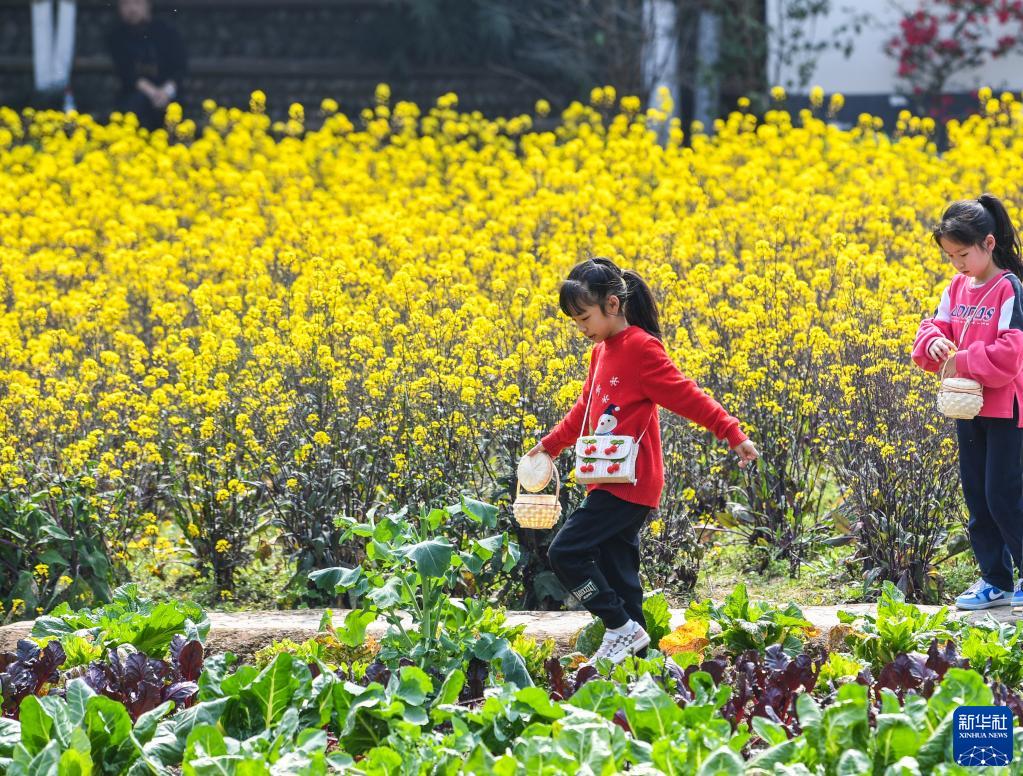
<point x="991" y="470"/>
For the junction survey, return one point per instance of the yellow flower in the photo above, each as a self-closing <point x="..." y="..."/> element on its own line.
<point x="656" y="527"/>
<point x="173" y="114"/>
<point x="321" y="438"/>
<point x="630" y="104"/>
<point x="778" y="93"/>
<point x="192" y="529"/>
<point x="42" y="570"/>
<point x="207" y="428"/>
<point x="223" y="545"/>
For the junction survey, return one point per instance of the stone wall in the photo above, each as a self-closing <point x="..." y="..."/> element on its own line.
<point x="294" y="50"/>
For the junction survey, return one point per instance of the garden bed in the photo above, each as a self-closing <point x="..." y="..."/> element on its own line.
<point x="245" y="633"/>
<point x="748" y="687"/>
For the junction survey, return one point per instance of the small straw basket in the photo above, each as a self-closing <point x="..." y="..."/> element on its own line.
<point x="959" y="397"/>
<point x="538" y="510"/>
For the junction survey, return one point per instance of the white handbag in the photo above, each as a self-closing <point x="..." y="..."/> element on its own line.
<point x="605" y="458"/>
<point x="961" y="397"/>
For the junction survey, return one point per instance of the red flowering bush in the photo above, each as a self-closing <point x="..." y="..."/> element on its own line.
<point x="943" y="37"/>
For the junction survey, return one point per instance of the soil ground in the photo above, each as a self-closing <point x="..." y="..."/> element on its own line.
<point x="243" y="633"/>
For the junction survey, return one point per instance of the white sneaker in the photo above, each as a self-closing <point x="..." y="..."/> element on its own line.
<point x="617" y="646"/>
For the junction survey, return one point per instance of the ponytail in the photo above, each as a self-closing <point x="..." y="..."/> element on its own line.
<point x="1007" y="248"/>
<point x="641" y="309"/>
<point x="970" y="221"/>
<point x="591" y="282"/>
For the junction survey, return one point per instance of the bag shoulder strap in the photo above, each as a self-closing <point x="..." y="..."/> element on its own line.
<point x="586" y="414"/>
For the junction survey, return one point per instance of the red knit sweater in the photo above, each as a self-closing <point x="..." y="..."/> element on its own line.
<point x="631" y="375"/>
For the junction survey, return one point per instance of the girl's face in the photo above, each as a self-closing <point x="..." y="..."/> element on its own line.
<point x="597" y="325"/>
<point x="971" y="260"/>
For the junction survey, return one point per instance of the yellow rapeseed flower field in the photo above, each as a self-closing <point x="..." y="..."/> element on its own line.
<point x="211" y="317"/>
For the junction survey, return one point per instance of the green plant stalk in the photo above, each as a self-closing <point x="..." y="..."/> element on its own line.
<point x="427" y="626"/>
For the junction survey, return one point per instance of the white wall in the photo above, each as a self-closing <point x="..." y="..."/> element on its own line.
<point x="869" y="70"/>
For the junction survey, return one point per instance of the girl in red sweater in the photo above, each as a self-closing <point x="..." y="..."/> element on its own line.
<point x="596" y="552"/>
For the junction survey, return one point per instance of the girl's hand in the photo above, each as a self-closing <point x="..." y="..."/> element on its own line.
<point x="536" y="450"/>
<point x="160" y="98"/>
<point x="747" y="453"/>
<point x="940" y="349"/>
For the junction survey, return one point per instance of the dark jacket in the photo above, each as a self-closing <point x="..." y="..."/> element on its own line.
<point x="152" y="50"/>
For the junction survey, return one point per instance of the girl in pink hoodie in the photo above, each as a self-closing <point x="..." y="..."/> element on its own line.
<point x="980" y="240"/>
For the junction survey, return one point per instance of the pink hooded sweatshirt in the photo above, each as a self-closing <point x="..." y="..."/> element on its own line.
<point x="993" y="351"/>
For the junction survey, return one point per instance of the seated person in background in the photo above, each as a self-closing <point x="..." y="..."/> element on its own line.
<point x="149" y="59"/>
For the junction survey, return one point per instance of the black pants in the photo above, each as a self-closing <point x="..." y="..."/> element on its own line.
<point x="991" y="470"/>
<point x="596" y="556"/>
<point x="150" y="117"/>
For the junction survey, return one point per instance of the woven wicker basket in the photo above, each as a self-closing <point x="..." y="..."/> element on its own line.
<point x="959" y="397"/>
<point x="538" y="510"/>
